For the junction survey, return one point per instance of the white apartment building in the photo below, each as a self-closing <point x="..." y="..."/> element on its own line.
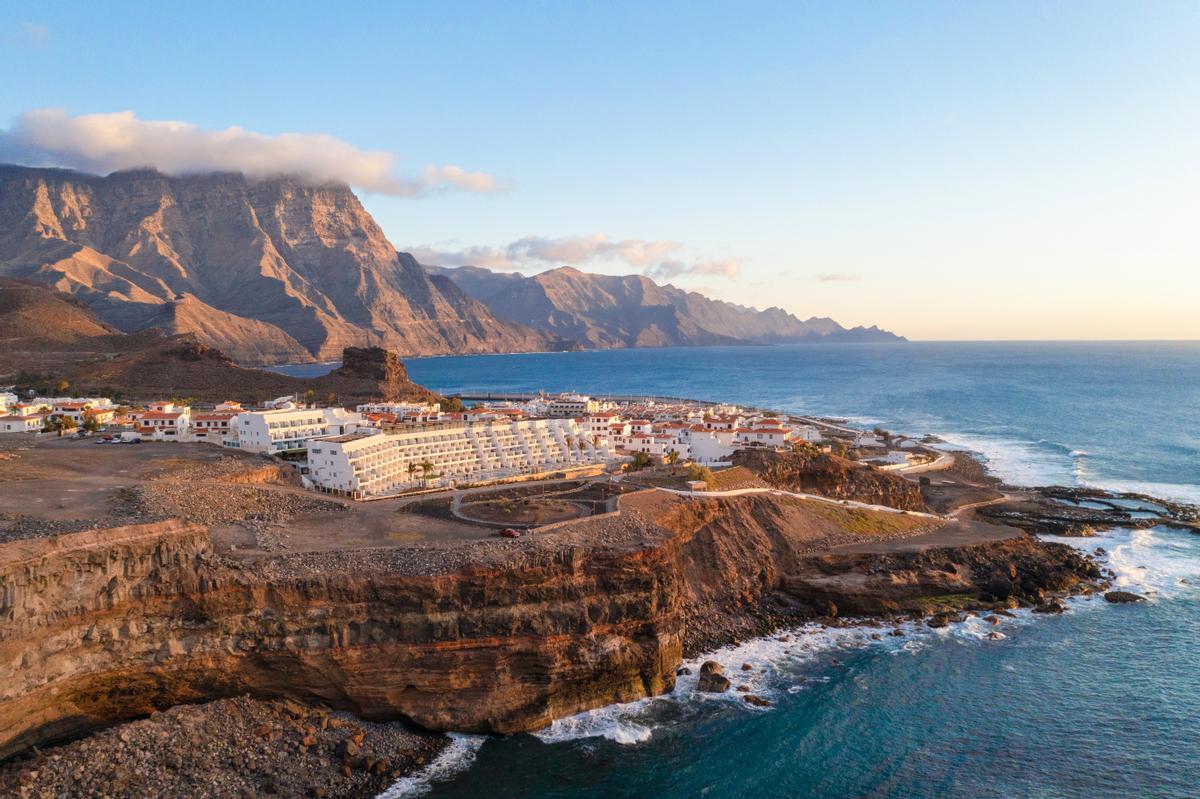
<point x="95" y="402"/>
<point x="362" y="465"/>
<point x="288" y="430"/>
<point x="570" y="406"/>
<point x="401" y="410"/>
<point x="598" y="424"/>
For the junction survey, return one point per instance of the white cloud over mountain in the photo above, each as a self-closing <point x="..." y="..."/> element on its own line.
<point x="104" y="143"/>
<point x="659" y="259"/>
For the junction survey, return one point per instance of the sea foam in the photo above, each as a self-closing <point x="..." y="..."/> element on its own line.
<point x="456" y="758"/>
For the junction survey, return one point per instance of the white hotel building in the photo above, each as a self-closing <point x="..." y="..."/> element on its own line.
<point x="364" y="465"/>
<point x="288" y="430"/>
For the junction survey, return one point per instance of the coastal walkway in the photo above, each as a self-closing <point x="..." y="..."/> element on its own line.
<point x="779" y="492"/>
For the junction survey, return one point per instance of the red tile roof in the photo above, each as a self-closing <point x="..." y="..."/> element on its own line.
<point x="161" y="415"/>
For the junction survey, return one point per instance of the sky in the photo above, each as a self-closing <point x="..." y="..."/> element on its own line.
<point x="984" y="170"/>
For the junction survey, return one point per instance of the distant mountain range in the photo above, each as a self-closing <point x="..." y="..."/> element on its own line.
<point x="279" y="270"/>
<point x="603" y="311"/>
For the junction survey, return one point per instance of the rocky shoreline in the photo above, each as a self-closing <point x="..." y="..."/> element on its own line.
<point x="515" y="633"/>
<point x="230" y="748"/>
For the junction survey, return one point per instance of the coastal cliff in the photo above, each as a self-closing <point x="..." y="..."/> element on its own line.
<point x="112" y="624"/>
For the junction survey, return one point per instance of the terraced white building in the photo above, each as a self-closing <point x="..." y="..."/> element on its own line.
<point x="362" y="465"/>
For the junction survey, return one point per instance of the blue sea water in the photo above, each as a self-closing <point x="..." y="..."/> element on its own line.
<point x="1103" y="701"/>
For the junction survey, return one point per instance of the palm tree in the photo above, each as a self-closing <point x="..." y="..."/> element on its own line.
<point x="672" y="458"/>
<point x="412" y="469"/>
<point x="59" y="424"/>
<point x="426" y="467"/>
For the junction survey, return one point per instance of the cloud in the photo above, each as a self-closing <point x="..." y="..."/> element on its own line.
<point x="721" y="267"/>
<point x="660" y="259"/>
<point x="106" y="143"/>
<point x="837" y="277"/>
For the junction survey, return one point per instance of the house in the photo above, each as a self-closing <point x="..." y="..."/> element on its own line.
<point x="762" y="436"/>
<point x="164" y="425"/>
<point x="22" y="424"/>
<point x="212" y="427"/>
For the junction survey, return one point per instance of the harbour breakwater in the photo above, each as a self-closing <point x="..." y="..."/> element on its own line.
<point x="105" y="625"/>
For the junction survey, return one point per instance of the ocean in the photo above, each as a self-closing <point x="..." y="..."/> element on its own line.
<point x="1102" y="701"/>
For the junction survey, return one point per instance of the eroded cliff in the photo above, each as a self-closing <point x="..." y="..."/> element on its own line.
<point x="112" y="624"/>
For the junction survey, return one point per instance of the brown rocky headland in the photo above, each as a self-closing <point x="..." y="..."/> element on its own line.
<point x="161" y="600"/>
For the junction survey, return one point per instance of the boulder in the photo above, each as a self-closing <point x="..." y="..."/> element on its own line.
<point x="757" y="701"/>
<point x="1052" y="606"/>
<point x="1122" y="597"/>
<point x="712" y="679"/>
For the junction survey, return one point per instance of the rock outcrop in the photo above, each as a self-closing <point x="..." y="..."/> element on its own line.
<point x="831" y="476"/>
<point x="50" y="334"/>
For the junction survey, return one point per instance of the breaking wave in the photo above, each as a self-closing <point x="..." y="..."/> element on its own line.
<point x="456" y="758"/>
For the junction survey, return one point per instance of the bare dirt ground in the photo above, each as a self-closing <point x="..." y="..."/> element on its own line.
<point x="51" y="485"/>
<point x="960" y="532"/>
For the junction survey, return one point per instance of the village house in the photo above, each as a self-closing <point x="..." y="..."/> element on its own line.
<point x="212" y="427"/>
<point x="762" y="436"/>
<point x="21" y="423"/>
<point x="163" y="421"/>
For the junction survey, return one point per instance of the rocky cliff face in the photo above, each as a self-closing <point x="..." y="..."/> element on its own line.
<point x="831" y="476"/>
<point x="115" y="623"/>
<point x="109" y="624"/>
<point x="634" y="311"/>
<point x="263" y="269"/>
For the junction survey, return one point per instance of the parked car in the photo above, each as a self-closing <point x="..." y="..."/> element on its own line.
<point x="509" y="532"/>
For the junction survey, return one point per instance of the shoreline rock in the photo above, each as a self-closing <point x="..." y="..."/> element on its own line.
<point x="227" y="749"/>
<point x="1123" y="597"/>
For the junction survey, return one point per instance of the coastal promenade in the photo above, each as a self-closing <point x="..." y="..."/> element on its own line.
<point x="779" y="492"/>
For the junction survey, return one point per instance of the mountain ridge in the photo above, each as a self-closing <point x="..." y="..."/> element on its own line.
<point x="605" y="311"/>
<point x="286" y="261"/>
<point x="284" y="270"/>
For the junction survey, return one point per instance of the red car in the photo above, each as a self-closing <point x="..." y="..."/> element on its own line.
<point x="509" y="532"/>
